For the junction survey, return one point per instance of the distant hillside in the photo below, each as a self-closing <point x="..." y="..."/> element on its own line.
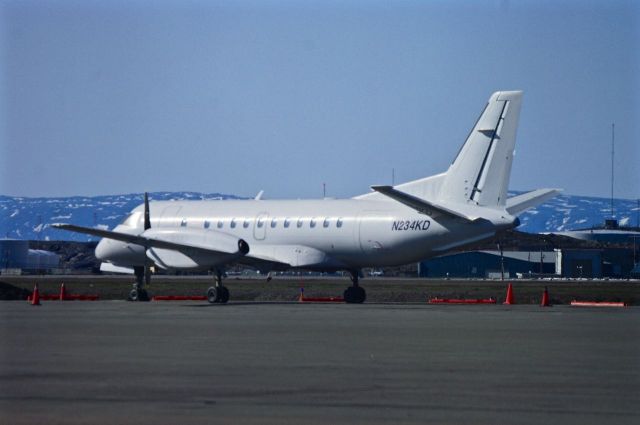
<point x="568" y="212"/>
<point x="31" y="218"/>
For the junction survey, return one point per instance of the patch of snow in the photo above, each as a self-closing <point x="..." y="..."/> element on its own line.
<point x="101" y="226"/>
<point x="15" y="213"/>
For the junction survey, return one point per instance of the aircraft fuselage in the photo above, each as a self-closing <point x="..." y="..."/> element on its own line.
<point x="350" y="233"/>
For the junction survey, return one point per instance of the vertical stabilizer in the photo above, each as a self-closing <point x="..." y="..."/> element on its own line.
<point x="480" y="173"/>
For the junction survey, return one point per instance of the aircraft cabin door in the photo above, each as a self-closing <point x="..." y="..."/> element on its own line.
<point x="372" y="229"/>
<point x="260" y="226"/>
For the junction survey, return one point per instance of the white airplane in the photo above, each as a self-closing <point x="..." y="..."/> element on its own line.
<point x="393" y="225"/>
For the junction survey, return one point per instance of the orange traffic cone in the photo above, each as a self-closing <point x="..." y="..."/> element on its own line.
<point x="510" y="299"/>
<point x="545" y="298"/>
<point x="35" y="298"/>
<point x="63" y="292"/>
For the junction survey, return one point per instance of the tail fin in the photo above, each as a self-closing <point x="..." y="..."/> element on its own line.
<point x="480" y="173"/>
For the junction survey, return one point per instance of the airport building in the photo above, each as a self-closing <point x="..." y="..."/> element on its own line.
<point x="604" y="262"/>
<point x="489" y="264"/>
<point x="610" y="233"/>
<point x="16" y="257"/>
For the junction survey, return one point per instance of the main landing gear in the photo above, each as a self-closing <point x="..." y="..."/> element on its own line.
<point x="143" y="277"/>
<point x="218" y="294"/>
<point x="354" y="294"/>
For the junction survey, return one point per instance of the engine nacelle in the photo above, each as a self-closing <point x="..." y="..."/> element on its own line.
<point x="194" y="248"/>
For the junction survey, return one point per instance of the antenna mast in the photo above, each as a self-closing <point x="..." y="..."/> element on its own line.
<point x="613" y="127"/>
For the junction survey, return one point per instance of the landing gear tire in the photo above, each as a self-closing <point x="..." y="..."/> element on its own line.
<point x="213" y="295"/>
<point x="138" y="295"/>
<point x="355" y="295"/>
<point x="224" y="295"/>
<point x="218" y="295"/>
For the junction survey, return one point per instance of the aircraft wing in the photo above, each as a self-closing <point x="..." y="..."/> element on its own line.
<point x="187" y="248"/>
<point x="170" y="239"/>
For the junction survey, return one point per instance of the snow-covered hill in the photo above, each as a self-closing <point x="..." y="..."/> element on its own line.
<point x="567" y="212"/>
<point x="31" y="218"/>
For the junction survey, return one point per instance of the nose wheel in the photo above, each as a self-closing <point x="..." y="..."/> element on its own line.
<point x="355" y="294"/>
<point x="218" y="294"/>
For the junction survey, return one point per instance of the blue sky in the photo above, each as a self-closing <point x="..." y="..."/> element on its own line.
<point x="127" y="96"/>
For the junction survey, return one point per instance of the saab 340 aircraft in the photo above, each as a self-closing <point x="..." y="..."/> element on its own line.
<point x="392" y="225"/>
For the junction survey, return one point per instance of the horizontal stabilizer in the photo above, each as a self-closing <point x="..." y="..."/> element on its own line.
<point x="420" y="205"/>
<point x="517" y="204"/>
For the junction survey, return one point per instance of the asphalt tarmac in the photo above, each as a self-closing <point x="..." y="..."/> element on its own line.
<point x="276" y="363"/>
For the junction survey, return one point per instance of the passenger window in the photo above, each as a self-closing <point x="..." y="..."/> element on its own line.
<point x="245" y="224"/>
<point x="183" y="223"/>
<point x="299" y="223"/>
<point x="233" y="223"/>
<point x="207" y="224"/>
<point x="312" y="223"/>
<point x="339" y="222"/>
<point x="325" y="223"/>
<point x="261" y="222"/>
<point x="287" y="222"/>
<point x="274" y="223"/>
<point x="220" y="224"/>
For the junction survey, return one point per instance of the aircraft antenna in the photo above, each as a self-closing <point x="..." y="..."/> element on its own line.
<point x="324" y="190"/>
<point x="613" y="127"/>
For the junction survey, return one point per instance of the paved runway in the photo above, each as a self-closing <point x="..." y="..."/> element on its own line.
<point x="118" y="362"/>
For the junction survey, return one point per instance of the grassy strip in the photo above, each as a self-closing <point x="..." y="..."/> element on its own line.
<point x="378" y="289"/>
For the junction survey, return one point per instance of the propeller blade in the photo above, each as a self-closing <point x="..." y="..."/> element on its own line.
<point x="147" y="217"/>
